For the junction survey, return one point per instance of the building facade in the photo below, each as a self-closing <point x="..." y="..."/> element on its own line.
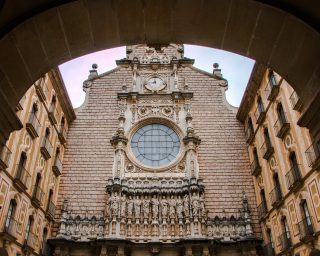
<point x="30" y="166"/>
<point x="285" y="163"/>
<point x="156" y="164"/>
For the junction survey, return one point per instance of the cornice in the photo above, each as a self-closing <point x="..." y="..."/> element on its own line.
<point x="61" y="91"/>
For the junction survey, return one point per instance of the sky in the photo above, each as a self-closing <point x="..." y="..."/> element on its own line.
<point x="235" y="68"/>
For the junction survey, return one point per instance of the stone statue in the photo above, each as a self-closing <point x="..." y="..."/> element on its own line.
<point x="172" y="207"/>
<point x="114" y="204"/>
<point x="179" y="207"/>
<point x="146" y="207"/>
<point x="155" y="207"/>
<point x="186" y="205"/>
<point x="137" y="207"/>
<point x="202" y="206"/>
<point x="130" y="207"/>
<point x="123" y="203"/>
<point x="164" y="207"/>
<point x="195" y="205"/>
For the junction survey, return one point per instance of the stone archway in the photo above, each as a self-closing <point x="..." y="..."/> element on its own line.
<point x="284" y="36"/>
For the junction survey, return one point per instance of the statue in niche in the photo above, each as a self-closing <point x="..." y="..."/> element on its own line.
<point x="195" y="205"/>
<point x="146" y="207"/>
<point x="164" y="207"/>
<point x="186" y="205"/>
<point x="123" y="203"/>
<point x="155" y="206"/>
<point x="202" y="206"/>
<point x="137" y="207"/>
<point x="114" y="204"/>
<point x="179" y="207"/>
<point x="130" y="207"/>
<point x="172" y="207"/>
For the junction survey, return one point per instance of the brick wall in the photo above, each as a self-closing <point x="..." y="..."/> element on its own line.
<point x="223" y="157"/>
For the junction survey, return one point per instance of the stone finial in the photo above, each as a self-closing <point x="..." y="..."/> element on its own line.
<point x="93" y="72"/>
<point x="216" y="71"/>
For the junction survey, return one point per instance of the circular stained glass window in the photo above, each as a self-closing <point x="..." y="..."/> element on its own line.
<point x="155" y="145"/>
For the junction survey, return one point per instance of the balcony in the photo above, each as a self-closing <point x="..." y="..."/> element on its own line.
<point x="255" y="167"/>
<point x="295" y="102"/>
<point x="294" y="179"/>
<point x="272" y="91"/>
<point x="281" y="126"/>
<point x="57" y="166"/>
<point x="22" y="178"/>
<point x="30" y="242"/>
<point x="306" y="231"/>
<point x="9" y="230"/>
<point x="285" y="241"/>
<point x="268" y="250"/>
<point x="21" y="103"/>
<point x="41" y="90"/>
<point x="267" y="150"/>
<point x="52" y="114"/>
<point x="37" y="196"/>
<point x="62" y="134"/>
<point x="260" y="115"/>
<point x="46" y="149"/>
<point x="50" y="211"/>
<point x="5" y="155"/>
<point x="276" y="196"/>
<point x="262" y="210"/>
<point x="313" y="155"/>
<point x="249" y="135"/>
<point x="33" y="125"/>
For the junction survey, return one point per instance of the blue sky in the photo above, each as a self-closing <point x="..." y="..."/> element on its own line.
<point x="235" y="68"/>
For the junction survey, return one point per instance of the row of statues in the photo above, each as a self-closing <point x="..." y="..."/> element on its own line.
<point x="155" y="206"/>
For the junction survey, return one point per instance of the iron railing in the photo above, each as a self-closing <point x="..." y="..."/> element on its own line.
<point x="57" y="166"/>
<point x="33" y="125"/>
<point x="62" y="134"/>
<point x="31" y="240"/>
<point x="271" y="91"/>
<point x="275" y="195"/>
<point x="285" y="241"/>
<point x="313" y="155"/>
<point x="37" y="195"/>
<point x="255" y="167"/>
<point x="5" y="155"/>
<point x="305" y="228"/>
<point x="249" y="135"/>
<point x="51" y="210"/>
<point x="22" y="178"/>
<point x="267" y="150"/>
<point x="46" y="148"/>
<point x="262" y="209"/>
<point x="259" y="114"/>
<point x="293" y="177"/>
<point x="281" y="126"/>
<point x="295" y="101"/>
<point x="11" y="227"/>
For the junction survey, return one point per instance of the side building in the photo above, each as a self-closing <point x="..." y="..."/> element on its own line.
<point x="284" y="164"/>
<point x="30" y="166"/>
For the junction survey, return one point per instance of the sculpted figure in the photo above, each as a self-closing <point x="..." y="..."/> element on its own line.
<point x="114" y="204"/>
<point x="146" y="206"/>
<point x="202" y="206"/>
<point x="195" y="204"/>
<point x="172" y="207"/>
<point x="179" y="207"/>
<point x="164" y="207"/>
<point x="155" y="207"/>
<point x="137" y="207"/>
<point x="186" y="205"/>
<point x="130" y="207"/>
<point x="123" y="203"/>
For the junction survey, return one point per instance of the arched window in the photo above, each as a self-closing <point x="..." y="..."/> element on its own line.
<point x="250" y="125"/>
<point x="28" y="229"/>
<point x="62" y="123"/>
<point x="49" y="198"/>
<point x="262" y="209"/>
<point x="53" y="103"/>
<point x="281" y="114"/>
<point x="277" y="186"/>
<point x="37" y="192"/>
<point x="44" y="241"/>
<point x="305" y="212"/>
<point x="270" y="249"/>
<point x="294" y="164"/>
<point x="260" y="105"/>
<point x="285" y="229"/>
<point x="267" y="138"/>
<point x="10" y="216"/>
<point x="255" y="156"/>
<point x="21" y="165"/>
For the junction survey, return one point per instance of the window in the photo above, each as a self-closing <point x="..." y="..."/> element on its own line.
<point x="269" y="233"/>
<point x="10" y="216"/>
<point x="255" y="156"/>
<point x="29" y="225"/>
<point x="155" y="145"/>
<point x="277" y="186"/>
<point x="281" y="114"/>
<point x="305" y="212"/>
<point x="44" y="241"/>
<point x="260" y="105"/>
<point x="267" y="138"/>
<point x="263" y="198"/>
<point x="272" y="79"/>
<point x="250" y="126"/>
<point x="21" y="165"/>
<point x="285" y="227"/>
<point x="294" y="165"/>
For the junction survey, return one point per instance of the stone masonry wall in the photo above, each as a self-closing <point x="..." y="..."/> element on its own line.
<point x="223" y="156"/>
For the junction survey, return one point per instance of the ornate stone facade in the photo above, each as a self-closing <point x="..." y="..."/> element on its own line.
<point x="155" y="199"/>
